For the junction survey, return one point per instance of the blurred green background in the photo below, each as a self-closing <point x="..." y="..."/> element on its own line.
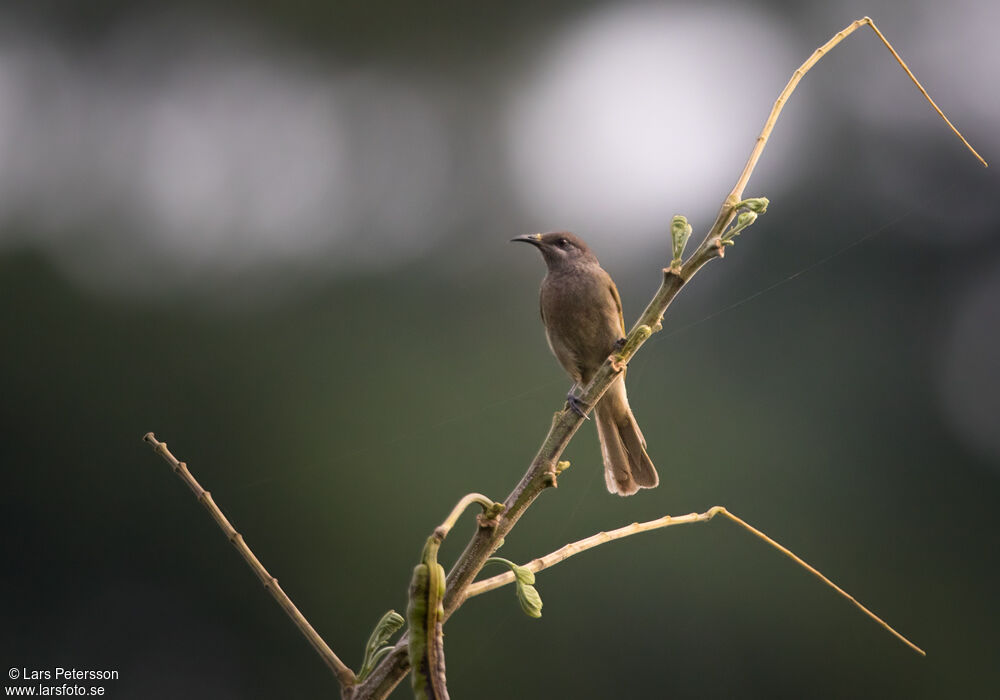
<point x="276" y="237"/>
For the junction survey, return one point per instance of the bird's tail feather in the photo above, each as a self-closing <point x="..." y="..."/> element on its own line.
<point x="627" y="466"/>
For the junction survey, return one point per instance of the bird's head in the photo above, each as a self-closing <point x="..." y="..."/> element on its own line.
<point x="559" y="248"/>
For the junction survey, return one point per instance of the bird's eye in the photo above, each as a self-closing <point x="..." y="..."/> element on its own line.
<point x="563" y="242"/>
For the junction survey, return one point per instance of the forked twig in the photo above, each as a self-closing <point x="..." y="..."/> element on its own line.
<point x="765" y="133"/>
<point x="600" y="538"/>
<point x="728" y="209"/>
<point x="343" y="673"/>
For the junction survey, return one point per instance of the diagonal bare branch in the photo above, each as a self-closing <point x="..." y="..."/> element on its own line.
<point x="343" y="673"/>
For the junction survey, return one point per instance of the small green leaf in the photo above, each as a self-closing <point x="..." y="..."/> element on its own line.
<point x="744" y="220"/>
<point x="753" y="207"/>
<point x="531" y="602"/>
<point x="527" y="596"/>
<point x="524" y="575"/>
<point x="390" y="623"/>
<point x="758" y="205"/>
<point x="680" y="232"/>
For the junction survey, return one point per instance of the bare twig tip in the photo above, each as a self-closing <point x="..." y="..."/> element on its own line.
<point x="815" y="572"/>
<point x="344" y="674"/>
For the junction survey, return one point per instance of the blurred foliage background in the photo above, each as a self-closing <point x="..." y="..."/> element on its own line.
<point x="276" y="236"/>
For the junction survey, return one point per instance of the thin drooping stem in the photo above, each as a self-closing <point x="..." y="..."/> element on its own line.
<point x="574" y="548"/>
<point x="791" y="555"/>
<point x="600" y="538"/>
<point x="343" y="673"/>
<point x="899" y="59"/>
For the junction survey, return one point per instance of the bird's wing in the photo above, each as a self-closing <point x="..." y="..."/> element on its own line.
<point x="618" y="303"/>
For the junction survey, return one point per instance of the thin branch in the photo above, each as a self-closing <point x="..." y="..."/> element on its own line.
<point x="765" y="133"/>
<point x="600" y="538"/>
<point x="569" y="550"/>
<point x="791" y="555"/>
<point x="343" y="673"/>
<point x="726" y="213"/>
<point x="920" y="87"/>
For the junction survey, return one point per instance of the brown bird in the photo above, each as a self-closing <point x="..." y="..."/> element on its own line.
<point x="582" y="313"/>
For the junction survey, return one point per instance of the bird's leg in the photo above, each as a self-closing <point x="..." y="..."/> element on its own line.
<point x="576" y="405"/>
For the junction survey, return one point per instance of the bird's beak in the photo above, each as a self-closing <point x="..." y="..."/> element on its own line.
<point x="534" y="239"/>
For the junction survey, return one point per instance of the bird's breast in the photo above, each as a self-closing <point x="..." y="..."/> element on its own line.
<point x="582" y="320"/>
